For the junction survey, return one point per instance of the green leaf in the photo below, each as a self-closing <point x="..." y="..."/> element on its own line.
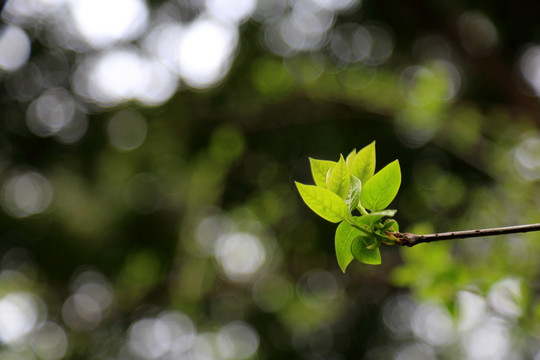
<point x="395" y="226"/>
<point x="366" y="219"/>
<point x="360" y="251"/>
<point x="354" y="195"/>
<point x="323" y="202"/>
<point x="387" y="212"/>
<point x="382" y="188"/>
<point x="349" y="159"/>
<point x="390" y="225"/>
<point x="338" y="179"/>
<point x="319" y="169"/>
<point x="345" y="234"/>
<point x="363" y="165"/>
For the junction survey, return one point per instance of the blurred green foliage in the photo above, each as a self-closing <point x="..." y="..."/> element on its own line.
<point x="173" y="230"/>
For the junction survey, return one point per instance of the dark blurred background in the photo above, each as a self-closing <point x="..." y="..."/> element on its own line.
<point x="147" y="156"/>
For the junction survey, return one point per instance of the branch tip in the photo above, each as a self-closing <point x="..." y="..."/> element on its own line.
<point x="408" y="239"/>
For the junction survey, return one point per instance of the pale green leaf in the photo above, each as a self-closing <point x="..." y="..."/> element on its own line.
<point x="338" y="179"/>
<point x="354" y="195"/>
<point x="382" y="188"/>
<point x="361" y="252"/>
<point x="387" y="212"/>
<point x="363" y="165"/>
<point x="319" y="169"/>
<point x="349" y="159"/>
<point x="323" y="202"/>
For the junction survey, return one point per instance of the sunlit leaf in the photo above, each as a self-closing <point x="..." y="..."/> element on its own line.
<point x="323" y="202"/>
<point x="350" y="158"/>
<point x="363" y="165"/>
<point x="366" y="219"/>
<point x="345" y="234"/>
<point x="361" y="252"/>
<point x="382" y="188"/>
<point x="338" y="179"/>
<point x="319" y="169"/>
<point x="354" y="195"/>
<point x="387" y="212"/>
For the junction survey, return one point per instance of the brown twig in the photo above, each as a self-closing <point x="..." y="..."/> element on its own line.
<point x="408" y="239"/>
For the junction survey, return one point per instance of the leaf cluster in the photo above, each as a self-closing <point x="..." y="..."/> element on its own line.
<point x="350" y="193"/>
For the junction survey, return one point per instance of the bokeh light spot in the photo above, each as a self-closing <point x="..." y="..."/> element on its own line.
<point x="50" y="341"/>
<point x="351" y="43"/>
<point x="81" y="312"/>
<point x="382" y="45"/>
<point x="127" y="130"/>
<point x="416" y="351"/>
<point x="163" y="41"/>
<point x="204" y="347"/>
<point x="231" y="11"/>
<point x="337" y="4"/>
<point x="51" y="112"/>
<point x="157" y="83"/>
<point x="209" y="230"/>
<point x="306" y="27"/>
<point x="397" y="315"/>
<point x="115" y="76"/>
<point x="26" y="194"/>
<point x="506" y="298"/>
<point x="14" y="48"/>
<point x="432" y="324"/>
<point x="472" y="310"/>
<point x="55" y="113"/>
<point x="96" y="286"/>
<point x="169" y="334"/>
<point x="123" y="74"/>
<point x="148" y="339"/>
<point x="18" y="316"/>
<point x="205" y="52"/>
<point x="240" y="255"/>
<point x="489" y="340"/>
<point x="317" y="288"/>
<point x="92" y="298"/>
<point x="526" y="157"/>
<point x="103" y="22"/>
<point x="530" y="67"/>
<point x="478" y="34"/>
<point x="237" y="340"/>
<point x="26" y="12"/>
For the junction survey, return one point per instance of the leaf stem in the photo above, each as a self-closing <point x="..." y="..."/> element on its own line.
<point x="362" y="209"/>
<point x="356" y="226"/>
<point x="408" y="239"/>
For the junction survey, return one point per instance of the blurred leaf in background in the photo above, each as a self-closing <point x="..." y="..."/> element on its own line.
<point x="147" y="157"/>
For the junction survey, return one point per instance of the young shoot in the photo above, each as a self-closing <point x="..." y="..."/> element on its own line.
<point x="350" y="193"/>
